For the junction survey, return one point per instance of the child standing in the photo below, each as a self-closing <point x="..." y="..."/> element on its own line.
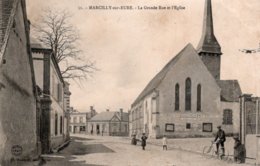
<point x="164" y="141"/>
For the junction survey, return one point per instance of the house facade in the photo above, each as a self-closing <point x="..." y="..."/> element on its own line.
<point x="187" y="98"/>
<point x="19" y="139"/>
<point x="78" y="120"/>
<point x="109" y="124"/>
<point x="48" y="78"/>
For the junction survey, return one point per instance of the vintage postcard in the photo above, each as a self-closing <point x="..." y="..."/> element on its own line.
<point x="129" y="82"/>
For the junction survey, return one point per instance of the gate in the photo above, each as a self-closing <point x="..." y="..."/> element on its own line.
<point x="249" y="123"/>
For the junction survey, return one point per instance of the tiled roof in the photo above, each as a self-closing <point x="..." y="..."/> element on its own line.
<point x="160" y="76"/>
<point x="8" y="10"/>
<point x="230" y="90"/>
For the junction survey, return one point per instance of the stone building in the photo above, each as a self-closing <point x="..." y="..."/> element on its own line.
<point x="78" y="120"/>
<point x="109" y="123"/>
<point x="49" y="79"/>
<point x="67" y="94"/>
<point x="187" y="98"/>
<point x="18" y="96"/>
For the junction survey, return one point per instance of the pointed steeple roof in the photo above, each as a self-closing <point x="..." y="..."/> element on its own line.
<point x="208" y="42"/>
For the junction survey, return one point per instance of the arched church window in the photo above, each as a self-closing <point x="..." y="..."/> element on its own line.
<point x="199" y="97"/>
<point x="188" y="94"/>
<point x="177" y="97"/>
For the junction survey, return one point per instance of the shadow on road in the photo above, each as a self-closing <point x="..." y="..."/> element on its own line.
<point x="68" y="156"/>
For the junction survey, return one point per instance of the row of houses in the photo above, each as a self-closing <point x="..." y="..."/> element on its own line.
<point x="107" y="123"/>
<point x="34" y="98"/>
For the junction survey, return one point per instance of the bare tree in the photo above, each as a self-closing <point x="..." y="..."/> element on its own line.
<point x="55" y="31"/>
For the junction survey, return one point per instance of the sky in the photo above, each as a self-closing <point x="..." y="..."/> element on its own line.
<point x="131" y="47"/>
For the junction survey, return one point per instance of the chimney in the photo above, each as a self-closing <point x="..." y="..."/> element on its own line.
<point x="121" y="113"/>
<point x="92" y="111"/>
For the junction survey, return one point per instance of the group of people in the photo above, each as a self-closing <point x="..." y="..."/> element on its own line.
<point x="219" y="141"/>
<point x="143" y="141"/>
<point x="239" y="151"/>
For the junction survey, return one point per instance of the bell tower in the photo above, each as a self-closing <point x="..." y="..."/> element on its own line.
<point x="208" y="48"/>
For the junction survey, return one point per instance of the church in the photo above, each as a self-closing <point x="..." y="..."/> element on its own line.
<point x="187" y="98"/>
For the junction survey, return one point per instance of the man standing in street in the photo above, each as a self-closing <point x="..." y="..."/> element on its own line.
<point x="219" y="140"/>
<point x="143" y="141"/>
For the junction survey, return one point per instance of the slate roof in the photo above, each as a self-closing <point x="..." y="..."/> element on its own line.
<point x="107" y="116"/>
<point x="8" y="11"/>
<point x="153" y="84"/>
<point x="208" y="42"/>
<point x="125" y="116"/>
<point x="230" y="90"/>
<point x="103" y="116"/>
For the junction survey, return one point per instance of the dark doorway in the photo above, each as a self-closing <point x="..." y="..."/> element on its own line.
<point x="97" y="128"/>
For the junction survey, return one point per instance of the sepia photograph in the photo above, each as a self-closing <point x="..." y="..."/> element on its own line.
<point x="129" y="83"/>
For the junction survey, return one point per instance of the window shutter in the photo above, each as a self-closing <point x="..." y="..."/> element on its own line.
<point x="59" y="92"/>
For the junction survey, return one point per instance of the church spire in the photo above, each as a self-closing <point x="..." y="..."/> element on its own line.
<point x="208" y="42"/>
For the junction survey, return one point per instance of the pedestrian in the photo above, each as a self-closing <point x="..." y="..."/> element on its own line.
<point x="164" y="142"/>
<point x="238" y="150"/>
<point x="220" y="140"/>
<point x="143" y="138"/>
<point x="134" y="141"/>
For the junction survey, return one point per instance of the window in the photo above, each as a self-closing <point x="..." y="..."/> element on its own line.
<point x="199" y="97"/>
<point x="61" y="126"/>
<point x="207" y="127"/>
<point x="75" y="119"/>
<point x="82" y="128"/>
<point x="188" y="94"/>
<point x="177" y="97"/>
<point x="188" y="126"/>
<point x="227" y="117"/>
<point x="169" y="127"/>
<point x="56" y="124"/>
<point x="80" y="119"/>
